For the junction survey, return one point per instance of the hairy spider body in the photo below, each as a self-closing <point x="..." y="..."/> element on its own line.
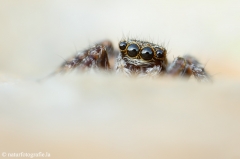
<point x="135" y="58"/>
<point x="141" y="58"/>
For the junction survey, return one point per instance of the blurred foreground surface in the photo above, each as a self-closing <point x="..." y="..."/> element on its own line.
<point x="103" y="116"/>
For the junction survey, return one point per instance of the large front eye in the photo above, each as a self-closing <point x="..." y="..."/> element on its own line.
<point x="160" y="53"/>
<point x="133" y="50"/>
<point x="147" y="53"/>
<point x="122" y="45"/>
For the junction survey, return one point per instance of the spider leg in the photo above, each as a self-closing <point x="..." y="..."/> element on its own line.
<point x="186" y="66"/>
<point x="95" y="57"/>
<point x="197" y="69"/>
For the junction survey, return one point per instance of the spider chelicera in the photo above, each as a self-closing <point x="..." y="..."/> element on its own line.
<point x="135" y="58"/>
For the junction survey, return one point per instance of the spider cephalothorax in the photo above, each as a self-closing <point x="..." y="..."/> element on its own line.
<point x="136" y="57"/>
<point x="141" y="57"/>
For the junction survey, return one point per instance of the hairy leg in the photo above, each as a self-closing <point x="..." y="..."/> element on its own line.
<point x="197" y="69"/>
<point x="95" y="57"/>
<point x="186" y="66"/>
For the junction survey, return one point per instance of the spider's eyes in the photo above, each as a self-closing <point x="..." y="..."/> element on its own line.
<point x="147" y="53"/>
<point x="160" y="53"/>
<point x="122" y="45"/>
<point x="133" y="50"/>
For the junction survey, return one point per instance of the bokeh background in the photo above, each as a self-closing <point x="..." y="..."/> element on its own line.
<point x="35" y="33"/>
<point x="106" y="116"/>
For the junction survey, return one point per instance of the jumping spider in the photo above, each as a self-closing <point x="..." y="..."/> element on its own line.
<point x="136" y="58"/>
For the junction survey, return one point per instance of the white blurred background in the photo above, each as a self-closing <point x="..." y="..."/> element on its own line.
<point x="104" y="116"/>
<point x="35" y="33"/>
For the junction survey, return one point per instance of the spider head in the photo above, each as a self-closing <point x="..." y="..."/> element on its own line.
<point x="142" y="53"/>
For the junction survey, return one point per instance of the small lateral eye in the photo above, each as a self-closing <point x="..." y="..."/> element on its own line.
<point x="160" y="53"/>
<point x="133" y="50"/>
<point x="122" y="45"/>
<point x="147" y="53"/>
